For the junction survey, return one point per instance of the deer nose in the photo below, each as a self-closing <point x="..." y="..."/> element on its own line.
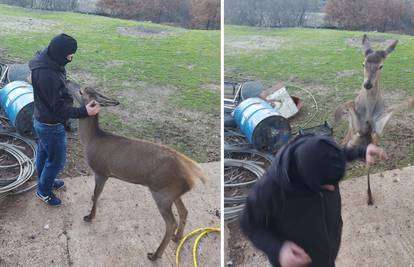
<point x="368" y="86"/>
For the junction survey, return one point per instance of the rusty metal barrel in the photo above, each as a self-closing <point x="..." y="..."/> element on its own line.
<point x="262" y="125"/>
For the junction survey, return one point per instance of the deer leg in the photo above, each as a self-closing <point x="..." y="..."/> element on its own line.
<point x="381" y="122"/>
<point x="182" y="213"/>
<point x="353" y="135"/>
<point x="375" y="140"/>
<point x="99" y="185"/>
<point x="347" y="137"/>
<point x="164" y="203"/>
<point x="370" y="200"/>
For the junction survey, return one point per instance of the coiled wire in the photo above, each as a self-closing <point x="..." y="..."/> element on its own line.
<point x="233" y="206"/>
<point x="14" y="185"/>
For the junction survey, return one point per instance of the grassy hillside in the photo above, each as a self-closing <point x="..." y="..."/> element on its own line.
<point x="165" y="77"/>
<point x="328" y="64"/>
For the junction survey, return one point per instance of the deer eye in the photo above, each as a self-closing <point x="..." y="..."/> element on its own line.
<point x="380" y="67"/>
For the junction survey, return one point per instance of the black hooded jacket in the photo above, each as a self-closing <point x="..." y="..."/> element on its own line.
<point x="278" y="210"/>
<point x="52" y="101"/>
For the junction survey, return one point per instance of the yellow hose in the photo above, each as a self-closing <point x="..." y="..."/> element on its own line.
<point x="198" y="239"/>
<point x="201" y="232"/>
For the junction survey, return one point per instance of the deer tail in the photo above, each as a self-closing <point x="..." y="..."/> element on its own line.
<point x="193" y="169"/>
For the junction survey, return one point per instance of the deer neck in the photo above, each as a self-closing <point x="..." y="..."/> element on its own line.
<point x="374" y="93"/>
<point x="88" y="129"/>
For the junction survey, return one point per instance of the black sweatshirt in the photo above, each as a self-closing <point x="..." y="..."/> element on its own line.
<point x="311" y="220"/>
<point x="52" y="101"/>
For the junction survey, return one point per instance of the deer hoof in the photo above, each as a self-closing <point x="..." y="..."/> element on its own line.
<point x="152" y="256"/>
<point x="370" y="202"/>
<point x="87" y="218"/>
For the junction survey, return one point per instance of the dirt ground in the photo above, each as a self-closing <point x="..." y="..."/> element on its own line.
<point x="140" y="31"/>
<point x="250" y="43"/>
<point x="126" y="227"/>
<point x="375" y="236"/>
<point x="24" y="24"/>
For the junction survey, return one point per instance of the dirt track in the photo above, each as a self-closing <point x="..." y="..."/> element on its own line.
<point x="126" y="227"/>
<point x="373" y="236"/>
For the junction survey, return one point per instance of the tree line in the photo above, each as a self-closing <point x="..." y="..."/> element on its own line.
<point x="377" y="15"/>
<point x="200" y="14"/>
<point x="268" y="13"/>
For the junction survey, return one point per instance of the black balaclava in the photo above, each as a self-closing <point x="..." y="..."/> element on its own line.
<point x="60" y="47"/>
<point x="317" y="161"/>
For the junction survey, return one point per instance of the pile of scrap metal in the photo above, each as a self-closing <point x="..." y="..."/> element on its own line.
<point x="254" y="130"/>
<point x="17" y="151"/>
<point x="256" y="125"/>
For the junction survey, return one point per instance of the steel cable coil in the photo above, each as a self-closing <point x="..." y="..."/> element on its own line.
<point x="14" y="185"/>
<point x="234" y="205"/>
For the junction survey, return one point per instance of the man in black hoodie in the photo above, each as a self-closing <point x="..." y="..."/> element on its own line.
<point x="293" y="213"/>
<point x="53" y="106"/>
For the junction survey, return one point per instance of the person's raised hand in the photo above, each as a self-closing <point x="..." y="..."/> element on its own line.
<point x="374" y="152"/>
<point x="93" y="108"/>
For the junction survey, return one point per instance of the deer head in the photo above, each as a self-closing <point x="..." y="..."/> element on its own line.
<point x="374" y="61"/>
<point x="88" y="94"/>
<point x="85" y="95"/>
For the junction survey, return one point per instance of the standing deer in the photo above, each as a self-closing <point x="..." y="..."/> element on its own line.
<point x="167" y="173"/>
<point x="367" y="113"/>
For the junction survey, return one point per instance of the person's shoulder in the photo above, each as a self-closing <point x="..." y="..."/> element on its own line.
<point x="48" y="76"/>
<point x="48" y="73"/>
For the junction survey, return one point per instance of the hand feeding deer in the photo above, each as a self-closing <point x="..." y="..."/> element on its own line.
<point x="367" y="113"/>
<point x="167" y="173"/>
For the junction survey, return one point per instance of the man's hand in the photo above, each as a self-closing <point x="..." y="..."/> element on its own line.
<point x="93" y="108"/>
<point x="291" y="255"/>
<point x="374" y="151"/>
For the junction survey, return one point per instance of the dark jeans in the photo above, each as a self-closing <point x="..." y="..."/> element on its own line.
<point x="51" y="154"/>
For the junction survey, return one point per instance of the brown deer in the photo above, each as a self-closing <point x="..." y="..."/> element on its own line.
<point x="367" y="113"/>
<point x="167" y="173"/>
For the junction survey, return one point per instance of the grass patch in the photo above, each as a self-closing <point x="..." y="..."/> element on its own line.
<point x="186" y="59"/>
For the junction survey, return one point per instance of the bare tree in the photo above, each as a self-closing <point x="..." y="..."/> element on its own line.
<point x="380" y="15"/>
<point x="205" y="14"/>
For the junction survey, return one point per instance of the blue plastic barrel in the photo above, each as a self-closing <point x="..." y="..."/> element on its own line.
<point x="262" y="125"/>
<point x="16" y="99"/>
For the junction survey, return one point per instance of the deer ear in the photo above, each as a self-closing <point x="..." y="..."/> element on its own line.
<point x="367" y="45"/>
<point x="391" y="48"/>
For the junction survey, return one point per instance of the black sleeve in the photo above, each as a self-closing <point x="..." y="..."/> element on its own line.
<point x="60" y="102"/>
<point x="354" y="153"/>
<point x="256" y="222"/>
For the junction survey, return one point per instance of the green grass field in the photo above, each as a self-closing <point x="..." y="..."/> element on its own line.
<point x="187" y="62"/>
<point x="328" y="63"/>
<point x="163" y="61"/>
<point x="316" y="56"/>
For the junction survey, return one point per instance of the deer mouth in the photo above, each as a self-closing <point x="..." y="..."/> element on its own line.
<point x="106" y="103"/>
